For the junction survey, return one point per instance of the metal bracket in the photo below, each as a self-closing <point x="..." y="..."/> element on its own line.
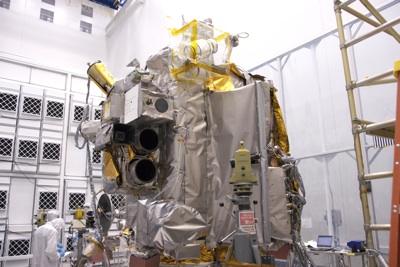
<point x="395" y="209"/>
<point x="355" y="129"/>
<point x="351" y="85"/>
<point x="336" y="6"/>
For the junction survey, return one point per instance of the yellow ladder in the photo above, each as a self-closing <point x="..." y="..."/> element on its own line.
<point x="359" y="126"/>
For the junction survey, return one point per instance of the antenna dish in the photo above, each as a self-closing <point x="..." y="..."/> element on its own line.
<point x="105" y="210"/>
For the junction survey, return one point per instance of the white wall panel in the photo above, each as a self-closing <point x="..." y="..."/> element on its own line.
<point x="7" y="146"/>
<point x="21" y="211"/>
<point x="75" y="161"/>
<point x="95" y="162"/>
<point x="42" y="200"/>
<point x="16" y="263"/>
<point x="54" y="112"/>
<point x="75" y="194"/>
<point x="50" y="156"/>
<point x="4" y="200"/>
<point x="9" y="85"/>
<point x="302" y="114"/>
<point x="9" y="107"/>
<point x="336" y="116"/>
<point x="314" y="210"/>
<point x="75" y="116"/>
<point x="30" y="107"/>
<point x="377" y="102"/>
<point x="26" y="150"/>
<point x="79" y="85"/>
<point x="14" y="71"/>
<point x="335" y="189"/>
<point x="49" y="78"/>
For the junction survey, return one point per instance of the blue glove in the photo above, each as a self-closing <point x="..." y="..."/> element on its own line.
<point x="61" y="251"/>
<point x="75" y="237"/>
<point x="59" y="245"/>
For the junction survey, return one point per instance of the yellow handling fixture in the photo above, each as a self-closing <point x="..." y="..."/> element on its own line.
<point x="99" y="74"/>
<point x="242" y="172"/>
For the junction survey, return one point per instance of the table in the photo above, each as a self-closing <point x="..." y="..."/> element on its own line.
<point x="340" y="255"/>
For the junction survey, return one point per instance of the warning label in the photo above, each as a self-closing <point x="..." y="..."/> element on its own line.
<point x="246" y="222"/>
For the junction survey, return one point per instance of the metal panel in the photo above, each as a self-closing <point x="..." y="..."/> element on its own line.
<point x="9" y="105"/>
<point x="49" y="78"/>
<point x="54" y="113"/>
<point x="50" y="156"/>
<point x="31" y="107"/>
<point x="26" y="154"/>
<point x="6" y="151"/>
<point x="14" y="71"/>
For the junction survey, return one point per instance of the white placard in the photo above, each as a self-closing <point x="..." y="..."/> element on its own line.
<point x="131" y="104"/>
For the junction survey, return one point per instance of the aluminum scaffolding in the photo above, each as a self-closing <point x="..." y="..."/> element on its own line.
<point x="387" y="129"/>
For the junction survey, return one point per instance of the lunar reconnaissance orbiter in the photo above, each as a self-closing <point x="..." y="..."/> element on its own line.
<point x="198" y="148"/>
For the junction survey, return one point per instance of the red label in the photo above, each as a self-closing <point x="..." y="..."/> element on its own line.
<point x="246" y="218"/>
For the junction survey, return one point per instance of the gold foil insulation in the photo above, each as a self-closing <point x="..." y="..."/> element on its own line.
<point x="279" y="134"/>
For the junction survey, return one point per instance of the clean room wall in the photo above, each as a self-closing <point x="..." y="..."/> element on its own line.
<point x="61" y="43"/>
<point x="311" y="85"/>
<point x="140" y="29"/>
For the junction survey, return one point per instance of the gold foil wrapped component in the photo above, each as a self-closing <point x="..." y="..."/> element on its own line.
<point x="279" y="137"/>
<point x="110" y="171"/>
<point x="206" y="255"/>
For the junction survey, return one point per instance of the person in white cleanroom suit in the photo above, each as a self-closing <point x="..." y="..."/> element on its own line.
<point x="52" y="214"/>
<point x="46" y="249"/>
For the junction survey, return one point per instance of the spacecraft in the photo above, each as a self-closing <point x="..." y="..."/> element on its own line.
<point x="199" y="150"/>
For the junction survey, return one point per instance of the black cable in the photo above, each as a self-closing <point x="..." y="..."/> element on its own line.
<point x="27" y="163"/>
<point x="29" y="179"/>
<point x="19" y="118"/>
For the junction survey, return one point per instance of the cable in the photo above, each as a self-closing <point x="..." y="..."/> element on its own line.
<point x="28" y="119"/>
<point x="31" y="164"/>
<point x="20" y="234"/>
<point x="29" y="179"/>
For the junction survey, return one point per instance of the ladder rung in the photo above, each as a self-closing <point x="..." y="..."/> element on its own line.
<point x="374" y="78"/>
<point x="384" y="81"/>
<point x="379" y="227"/>
<point x="377" y="126"/>
<point x="348" y="2"/>
<point x="377" y="175"/>
<point x="373" y="32"/>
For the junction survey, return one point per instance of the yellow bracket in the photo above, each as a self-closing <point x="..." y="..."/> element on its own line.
<point x="396" y="68"/>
